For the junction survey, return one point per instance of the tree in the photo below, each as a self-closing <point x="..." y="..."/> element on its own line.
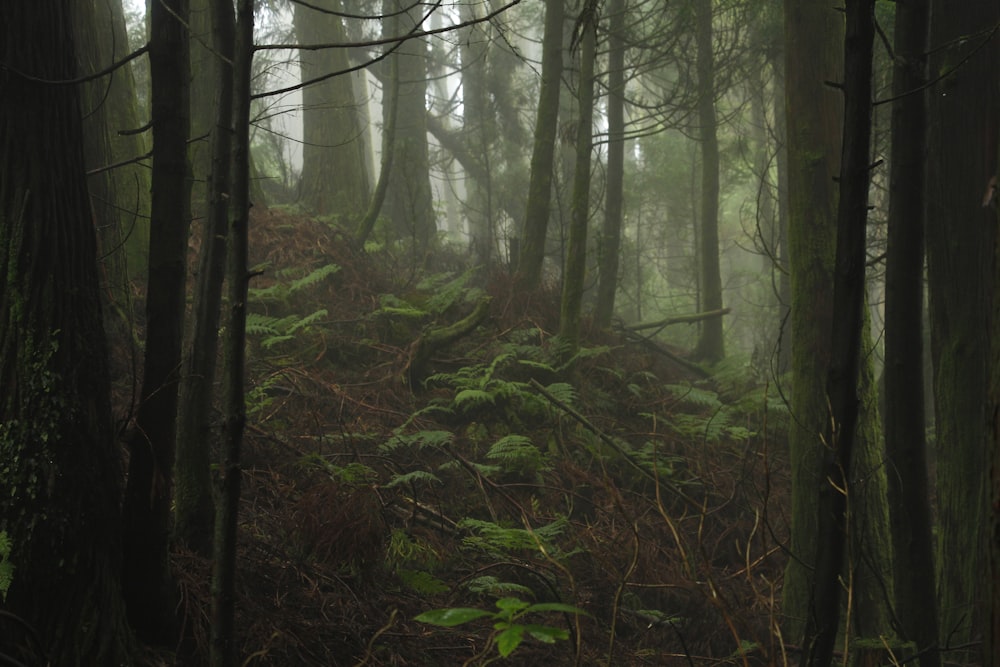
<point x="848" y="322"/>
<point x="960" y="233"/>
<point x="711" y="346"/>
<point x="146" y="510"/>
<point x="813" y="55"/>
<point x="409" y="201"/>
<point x="334" y="174"/>
<point x="909" y="496"/>
<point x="536" y="217"/>
<point x="60" y="466"/>
<point x="576" y="252"/>
<point x="614" y="197"/>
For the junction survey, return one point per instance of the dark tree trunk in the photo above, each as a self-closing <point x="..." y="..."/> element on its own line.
<point x="960" y="235"/>
<point x="193" y="511"/>
<point x="711" y="346"/>
<point x="614" y="196"/>
<point x="223" y="649"/>
<point x="909" y="496"/>
<point x="823" y="621"/>
<point x="576" y="253"/>
<point x="145" y="573"/>
<point x="61" y="468"/>
<point x="536" y="217"/>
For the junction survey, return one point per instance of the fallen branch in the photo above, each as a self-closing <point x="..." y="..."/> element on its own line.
<point x="437" y="339"/>
<point x="679" y="319"/>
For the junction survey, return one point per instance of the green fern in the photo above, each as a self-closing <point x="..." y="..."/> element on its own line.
<point x="500" y="542"/>
<point x="421" y="440"/>
<point x="314" y="277"/>
<point x="280" y="292"/>
<point x="413" y="477"/>
<point x="694" y="396"/>
<point x="516" y="453"/>
<point x="487" y="585"/>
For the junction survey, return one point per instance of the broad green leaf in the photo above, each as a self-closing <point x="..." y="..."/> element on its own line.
<point x="512" y="604"/>
<point x="510" y="639"/>
<point x="451" y="617"/>
<point x="547" y="633"/>
<point x="555" y="606"/>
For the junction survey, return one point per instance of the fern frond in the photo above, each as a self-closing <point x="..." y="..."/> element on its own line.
<point x="487" y="585"/>
<point x="307" y="320"/>
<point x="563" y="391"/>
<point x="517" y="452"/>
<point x="413" y="477"/>
<point x="421" y="439"/>
<point x="694" y="396"/>
<point x="261" y="325"/>
<point x="468" y="399"/>
<point x="314" y="277"/>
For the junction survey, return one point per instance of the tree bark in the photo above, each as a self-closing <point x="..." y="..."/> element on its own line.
<point x="536" y="217"/>
<point x="813" y="55"/>
<point x="61" y="467"/>
<point x="711" y="345"/>
<point x="960" y="237"/>
<point x="909" y="490"/>
<point x="223" y="649"/>
<point x="146" y="511"/>
<point x="610" y="246"/>
<point x="576" y="254"/>
<point x="334" y="176"/>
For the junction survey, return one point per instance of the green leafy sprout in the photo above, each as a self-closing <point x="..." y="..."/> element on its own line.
<point x="509" y="630"/>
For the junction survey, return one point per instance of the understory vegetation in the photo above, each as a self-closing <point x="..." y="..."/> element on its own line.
<point x="620" y="480"/>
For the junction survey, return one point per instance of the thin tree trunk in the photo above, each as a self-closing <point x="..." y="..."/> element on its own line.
<point x="823" y="622"/>
<point x="614" y="187"/>
<point x="536" y="217"/>
<point x="145" y="573"/>
<point x="711" y="346"/>
<point x="193" y="511"/>
<point x="576" y="253"/>
<point x="223" y="648"/>
<point x="909" y="495"/>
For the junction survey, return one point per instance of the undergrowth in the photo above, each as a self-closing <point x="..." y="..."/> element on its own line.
<point x="617" y="483"/>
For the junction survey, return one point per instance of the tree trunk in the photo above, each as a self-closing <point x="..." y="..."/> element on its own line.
<point x="711" y="347"/>
<point x="223" y="649"/>
<point x="614" y="196"/>
<point x="61" y="467"/>
<point x="576" y="253"/>
<point x="409" y="201"/>
<point x="813" y="55"/>
<point x="823" y="621"/>
<point x="536" y="217"/>
<point x="145" y="572"/>
<point x="334" y="174"/>
<point x="193" y="513"/>
<point x="960" y="233"/>
<point x="909" y="492"/>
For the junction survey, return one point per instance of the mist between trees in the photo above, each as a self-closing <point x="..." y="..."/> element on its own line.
<point x="619" y="332"/>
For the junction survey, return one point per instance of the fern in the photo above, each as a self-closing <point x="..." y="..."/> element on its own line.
<point x="314" y="277"/>
<point x="516" y="453"/>
<point x="487" y="585"/>
<point x="694" y="396"/>
<point x="421" y="440"/>
<point x="445" y="293"/>
<point x="472" y="398"/>
<point x="413" y="477"/>
<point x="280" y="292"/>
<point x="499" y="541"/>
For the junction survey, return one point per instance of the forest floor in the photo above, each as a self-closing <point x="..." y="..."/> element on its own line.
<point x="384" y="479"/>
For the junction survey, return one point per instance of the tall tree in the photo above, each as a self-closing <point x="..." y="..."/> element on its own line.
<point x="614" y="195"/>
<point x="576" y="252"/>
<point x="711" y="346"/>
<point x="146" y="510"/>
<point x="60" y="471"/>
<point x="536" y="218"/>
<point x="848" y="322"/>
<point x="192" y="482"/>
<point x="409" y="201"/>
<point x="960" y="234"/>
<point x="813" y="55"/>
<point x="909" y="496"/>
<point x="334" y="163"/>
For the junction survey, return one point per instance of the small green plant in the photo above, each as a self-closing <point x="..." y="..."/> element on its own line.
<point x="6" y="567"/>
<point x="509" y="628"/>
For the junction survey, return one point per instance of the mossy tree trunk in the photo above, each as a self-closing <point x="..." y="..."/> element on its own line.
<point x="711" y="346"/>
<point x="536" y="217"/>
<point x="409" y="201"/>
<point x="813" y="55"/>
<point x="576" y="253"/>
<point x="146" y="511"/>
<point x="909" y="494"/>
<point x="334" y="154"/>
<point x="614" y="189"/>
<point x="61" y="468"/>
<point x="960" y="234"/>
